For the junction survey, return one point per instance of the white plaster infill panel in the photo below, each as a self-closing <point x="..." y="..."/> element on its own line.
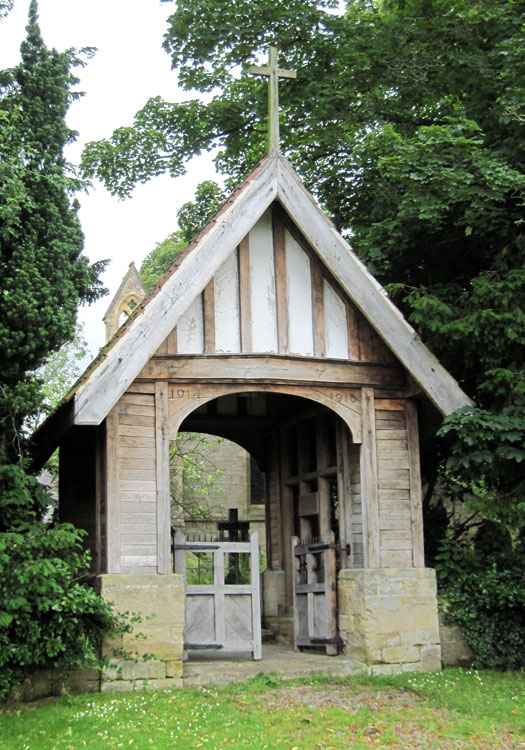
<point x="335" y="324"/>
<point x="299" y="291"/>
<point x="262" y="283"/>
<point x="227" y="307"/>
<point x="190" y="329"/>
<point x="125" y="359"/>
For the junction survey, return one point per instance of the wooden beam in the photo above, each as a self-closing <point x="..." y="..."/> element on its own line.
<point x="209" y="317"/>
<point x="369" y="489"/>
<point x="318" y="308"/>
<point x="112" y="492"/>
<point x="279" y="256"/>
<point x="416" y="500"/>
<point x="121" y="364"/>
<point x="245" y="295"/>
<point x="162" y="478"/>
<point x="274" y="368"/>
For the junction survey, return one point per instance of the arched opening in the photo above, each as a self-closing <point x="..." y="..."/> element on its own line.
<point x="308" y="475"/>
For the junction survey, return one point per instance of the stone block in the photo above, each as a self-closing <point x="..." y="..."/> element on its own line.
<point x="273" y="592"/>
<point x="431" y="658"/>
<point x="119" y="686"/>
<point x="143" y="670"/>
<point x="174" y="668"/>
<point x="400" y="654"/>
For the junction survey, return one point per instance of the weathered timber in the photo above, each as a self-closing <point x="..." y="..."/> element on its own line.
<point x="415" y="485"/>
<point x="163" y="478"/>
<point x="245" y="295"/>
<point x="369" y="482"/>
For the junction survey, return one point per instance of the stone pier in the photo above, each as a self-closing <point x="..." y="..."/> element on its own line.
<point x="388" y="618"/>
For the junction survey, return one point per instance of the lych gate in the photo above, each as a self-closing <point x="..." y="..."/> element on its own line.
<point x="270" y="332"/>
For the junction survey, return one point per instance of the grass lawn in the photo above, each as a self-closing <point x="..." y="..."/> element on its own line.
<point x="451" y="709"/>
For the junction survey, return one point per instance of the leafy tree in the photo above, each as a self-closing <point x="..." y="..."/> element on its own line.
<point x="49" y="617"/>
<point x="191" y="217"/>
<point x="406" y="121"/>
<point x="42" y="270"/>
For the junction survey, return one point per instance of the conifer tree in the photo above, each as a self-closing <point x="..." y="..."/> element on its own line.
<point x="43" y="274"/>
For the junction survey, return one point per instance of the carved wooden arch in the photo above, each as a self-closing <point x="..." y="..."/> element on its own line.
<point x="183" y="399"/>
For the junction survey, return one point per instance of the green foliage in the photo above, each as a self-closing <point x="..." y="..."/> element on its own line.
<point x="194" y="215"/>
<point x="43" y="275"/>
<point x="487" y="457"/>
<point x="157" y="262"/>
<point x="191" y="217"/>
<point x="191" y="461"/>
<point x="485" y="595"/>
<point x="50" y="617"/>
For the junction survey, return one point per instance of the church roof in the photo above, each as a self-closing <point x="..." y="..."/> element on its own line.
<point x="274" y="179"/>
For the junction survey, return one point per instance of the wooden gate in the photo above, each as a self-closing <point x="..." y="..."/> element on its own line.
<point x="222" y="604"/>
<point x="315" y="593"/>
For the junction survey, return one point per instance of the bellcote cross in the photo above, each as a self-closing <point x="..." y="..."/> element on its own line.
<point x="273" y="73"/>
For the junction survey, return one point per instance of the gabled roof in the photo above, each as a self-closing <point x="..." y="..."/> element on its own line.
<point x="273" y="179"/>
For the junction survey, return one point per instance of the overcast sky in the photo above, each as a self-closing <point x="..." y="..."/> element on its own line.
<point x="129" y="67"/>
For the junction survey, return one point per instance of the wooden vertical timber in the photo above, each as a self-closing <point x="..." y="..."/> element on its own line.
<point x="180" y="554"/>
<point x="245" y="295"/>
<point x="318" y="309"/>
<point x="279" y="256"/>
<point x="209" y="317"/>
<point x="330" y="601"/>
<point x="163" y="478"/>
<point x="323" y="485"/>
<point x="287" y="512"/>
<point x="172" y="341"/>
<point x="369" y="491"/>
<point x="99" y="501"/>
<point x="352" y="322"/>
<point x="112" y="492"/>
<point x="218" y="580"/>
<point x="416" y="501"/>
<point x="344" y="494"/>
<point x="256" y="596"/>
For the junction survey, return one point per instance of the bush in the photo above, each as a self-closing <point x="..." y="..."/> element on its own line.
<point x="485" y="596"/>
<point x="50" y="616"/>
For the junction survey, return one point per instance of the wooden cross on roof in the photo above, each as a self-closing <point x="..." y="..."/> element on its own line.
<point x="273" y="73"/>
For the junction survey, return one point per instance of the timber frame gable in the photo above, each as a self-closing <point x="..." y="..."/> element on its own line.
<point x="272" y="181"/>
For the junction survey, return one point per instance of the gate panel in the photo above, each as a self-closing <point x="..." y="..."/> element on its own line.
<point x="315" y="593"/>
<point x="220" y="613"/>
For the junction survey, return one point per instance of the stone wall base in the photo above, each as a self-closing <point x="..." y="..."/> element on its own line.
<point x="455" y="651"/>
<point x="388" y="618"/>
<point x="159" y="599"/>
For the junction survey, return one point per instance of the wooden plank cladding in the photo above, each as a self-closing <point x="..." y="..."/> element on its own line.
<point x="138" y="470"/>
<point x="394" y="489"/>
<point x="274" y="295"/>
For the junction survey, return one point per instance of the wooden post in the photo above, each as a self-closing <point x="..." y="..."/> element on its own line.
<point x="112" y="492"/>
<point x="416" y="501"/>
<point x="369" y="490"/>
<point x="180" y="554"/>
<point x="209" y="317"/>
<point x="279" y="254"/>
<point x="344" y="493"/>
<point x="318" y="308"/>
<point x="245" y="295"/>
<point x="256" y="596"/>
<point x="163" y="478"/>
